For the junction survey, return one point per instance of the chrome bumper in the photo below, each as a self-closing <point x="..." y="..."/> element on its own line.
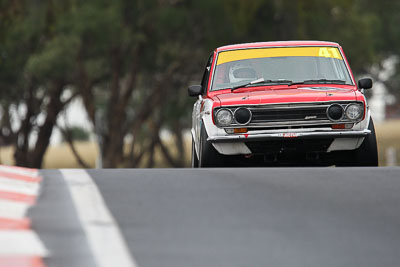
<point x="276" y="136"/>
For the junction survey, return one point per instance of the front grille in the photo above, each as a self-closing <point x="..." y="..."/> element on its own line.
<point x="288" y="114"/>
<point x="290" y="145"/>
<point x="314" y="126"/>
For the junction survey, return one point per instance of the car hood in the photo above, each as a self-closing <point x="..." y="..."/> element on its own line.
<point x="287" y="95"/>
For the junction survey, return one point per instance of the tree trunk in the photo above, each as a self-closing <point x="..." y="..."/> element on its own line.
<point x="68" y="137"/>
<point x="113" y="148"/>
<point x="21" y="154"/>
<point x="45" y="131"/>
<point x="34" y="158"/>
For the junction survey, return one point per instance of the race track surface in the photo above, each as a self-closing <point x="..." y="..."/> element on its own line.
<point x="232" y="217"/>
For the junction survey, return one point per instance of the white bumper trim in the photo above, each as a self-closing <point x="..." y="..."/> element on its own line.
<point x="275" y="136"/>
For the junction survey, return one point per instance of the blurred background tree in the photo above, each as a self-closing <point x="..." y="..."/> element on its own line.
<point x="131" y="61"/>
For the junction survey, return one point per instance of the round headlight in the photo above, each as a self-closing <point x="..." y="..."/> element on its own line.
<point x="224" y="117"/>
<point x="354" y="112"/>
<point x="335" y="112"/>
<point x="242" y="115"/>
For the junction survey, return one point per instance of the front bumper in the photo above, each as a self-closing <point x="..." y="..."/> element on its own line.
<point x="276" y="136"/>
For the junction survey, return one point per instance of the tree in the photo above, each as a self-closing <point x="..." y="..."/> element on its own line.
<point x="34" y="75"/>
<point x="131" y="61"/>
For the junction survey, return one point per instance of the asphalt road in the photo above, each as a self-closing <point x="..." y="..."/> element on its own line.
<point x="234" y="217"/>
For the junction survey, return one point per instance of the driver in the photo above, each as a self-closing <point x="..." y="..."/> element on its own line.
<point x="241" y="72"/>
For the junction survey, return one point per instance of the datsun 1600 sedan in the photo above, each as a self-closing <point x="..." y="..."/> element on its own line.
<point x="292" y="103"/>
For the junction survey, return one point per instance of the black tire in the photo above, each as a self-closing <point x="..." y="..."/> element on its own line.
<point x="208" y="156"/>
<point x="195" y="160"/>
<point x="366" y="155"/>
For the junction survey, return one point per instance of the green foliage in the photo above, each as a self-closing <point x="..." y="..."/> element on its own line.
<point x="76" y="133"/>
<point x="56" y="60"/>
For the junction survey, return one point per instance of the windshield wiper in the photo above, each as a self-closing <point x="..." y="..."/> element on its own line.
<point x="279" y="81"/>
<point x="262" y="81"/>
<point x="322" y="81"/>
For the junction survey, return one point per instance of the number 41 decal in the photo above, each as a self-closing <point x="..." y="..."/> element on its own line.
<point x="329" y="52"/>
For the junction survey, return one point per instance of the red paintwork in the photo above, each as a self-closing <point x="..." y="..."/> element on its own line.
<point x="282" y="93"/>
<point x="287" y="95"/>
<point x="275" y="44"/>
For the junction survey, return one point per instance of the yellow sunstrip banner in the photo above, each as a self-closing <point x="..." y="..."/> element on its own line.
<point x="235" y="55"/>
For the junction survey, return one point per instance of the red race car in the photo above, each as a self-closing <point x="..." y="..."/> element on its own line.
<point x="292" y="103"/>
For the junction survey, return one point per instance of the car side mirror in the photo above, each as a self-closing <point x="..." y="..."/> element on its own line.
<point x="194" y="90"/>
<point x="365" y="83"/>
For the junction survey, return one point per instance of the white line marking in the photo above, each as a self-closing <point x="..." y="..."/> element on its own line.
<point x="24" y="242"/>
<point x="12" y="209"/>
<point x="108" y="246"/>
<point x="17" y="186"/>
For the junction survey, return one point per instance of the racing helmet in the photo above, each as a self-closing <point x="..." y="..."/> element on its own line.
<point x="241" y="72"/>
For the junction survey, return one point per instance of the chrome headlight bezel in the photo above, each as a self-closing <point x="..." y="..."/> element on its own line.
<point x="250" y="115"/>
<point x="330" y="117"/>
<point x="220" y="113"/>
<point x="360" y="110"/>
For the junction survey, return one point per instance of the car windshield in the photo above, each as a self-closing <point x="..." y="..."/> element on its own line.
<point x="316" y="65"/>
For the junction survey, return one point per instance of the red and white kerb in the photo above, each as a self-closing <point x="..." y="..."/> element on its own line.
<point x="19" y="245"/>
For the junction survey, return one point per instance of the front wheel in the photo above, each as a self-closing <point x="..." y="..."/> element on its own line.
<point x="208" y="156"/>
<point x="195" y="160"/>
<point x="366" y="155"/>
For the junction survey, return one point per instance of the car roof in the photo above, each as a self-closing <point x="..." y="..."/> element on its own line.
<point x="275" y="44"/>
